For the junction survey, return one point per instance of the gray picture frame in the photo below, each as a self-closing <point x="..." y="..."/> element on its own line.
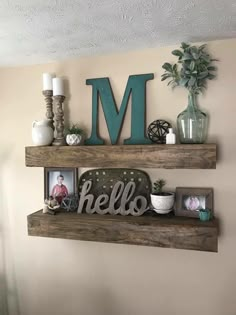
<point x="47" y="170"/>
<point x="201" y="197"/>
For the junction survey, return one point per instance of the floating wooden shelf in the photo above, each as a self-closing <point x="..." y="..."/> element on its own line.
<point x="147" y="230"/>
<point x="189" y="156"/>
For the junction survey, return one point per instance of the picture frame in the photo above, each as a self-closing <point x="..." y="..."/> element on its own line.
<point x="64" y="177"/>
<point x="189" y="200"/>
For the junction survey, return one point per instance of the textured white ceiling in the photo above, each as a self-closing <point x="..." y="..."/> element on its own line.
<point x="37" y="31"/>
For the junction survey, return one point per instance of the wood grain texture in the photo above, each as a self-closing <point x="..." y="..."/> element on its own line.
<point x="59" y="140"/>
<point x="188" y="156"/>
<point x="161" y="231"/>
<point x="49" y="106"/>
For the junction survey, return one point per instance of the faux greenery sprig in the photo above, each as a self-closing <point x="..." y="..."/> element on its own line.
<point x="74" y="129"/>
<point x="158" y="186"/>
<point x="195" y="68"/>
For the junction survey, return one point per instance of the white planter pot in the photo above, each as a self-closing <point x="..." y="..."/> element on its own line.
<point x="163" y="202"/>
<point x="42" y="133"/>
<point x="73" y="139"/>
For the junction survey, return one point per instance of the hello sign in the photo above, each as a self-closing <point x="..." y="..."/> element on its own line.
<point x="136" y="90"/>
<point x="120" y="192"/>
<point x="114" y="191"/>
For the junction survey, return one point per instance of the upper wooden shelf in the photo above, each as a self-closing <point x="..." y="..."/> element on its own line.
<point x="146" y="230"/>
<point x="188" y="156"/>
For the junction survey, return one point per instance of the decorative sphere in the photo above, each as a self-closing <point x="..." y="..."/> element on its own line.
<point x="158" y="130"/>
<point x="70" y="203"/>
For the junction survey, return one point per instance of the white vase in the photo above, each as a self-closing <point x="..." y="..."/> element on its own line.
<point x="42" y="132"/>
<point x="163" y="203"/>
<point x="73" y="139"/>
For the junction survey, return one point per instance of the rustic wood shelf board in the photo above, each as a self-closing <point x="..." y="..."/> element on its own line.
<point x="188" y="156"/>
<point x="154" y="230"/>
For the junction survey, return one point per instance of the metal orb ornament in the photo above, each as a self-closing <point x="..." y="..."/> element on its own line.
<point x="70" y="203"/>
<point x="158" y="130"/>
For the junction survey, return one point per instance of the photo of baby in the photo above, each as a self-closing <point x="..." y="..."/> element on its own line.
<point x="194" y="203"/>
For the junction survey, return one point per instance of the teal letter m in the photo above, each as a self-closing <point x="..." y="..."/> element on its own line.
<point x="136" y="88"/>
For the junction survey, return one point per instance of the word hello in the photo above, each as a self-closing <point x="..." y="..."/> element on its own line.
<point x="120" y="192"/>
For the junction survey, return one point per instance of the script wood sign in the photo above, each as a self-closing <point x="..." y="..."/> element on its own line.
<point x="114" y="191"/>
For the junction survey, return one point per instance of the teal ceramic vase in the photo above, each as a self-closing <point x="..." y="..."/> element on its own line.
<point x="192" y="123"/>
<point x="205" y="214"/>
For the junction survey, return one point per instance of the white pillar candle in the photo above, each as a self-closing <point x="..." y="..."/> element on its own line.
<point x="58" y="86"/>
<point x="47" y="81"/>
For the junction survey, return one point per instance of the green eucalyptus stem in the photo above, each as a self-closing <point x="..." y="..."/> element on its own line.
<point x="192" y="70"/>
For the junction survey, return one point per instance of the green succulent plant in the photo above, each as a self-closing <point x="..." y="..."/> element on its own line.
<point x="74" y="129"/>
<point x="158" y="186"/>
<point x="192" y="70"/>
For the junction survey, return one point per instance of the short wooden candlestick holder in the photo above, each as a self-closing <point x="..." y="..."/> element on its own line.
<point x="59" y="121"/>
<point x="49" y="106"/>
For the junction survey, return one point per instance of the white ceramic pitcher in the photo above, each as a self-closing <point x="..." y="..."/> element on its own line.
<point x="42" y="132"/>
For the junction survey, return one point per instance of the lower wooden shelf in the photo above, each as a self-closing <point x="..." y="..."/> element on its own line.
<point x="147" y="230"/>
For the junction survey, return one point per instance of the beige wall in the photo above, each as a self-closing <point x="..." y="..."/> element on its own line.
<point x="66" y="277"/>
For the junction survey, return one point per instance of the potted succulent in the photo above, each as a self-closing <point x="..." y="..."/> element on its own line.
<point x="192" y="71"/>
<point x="74" y="135"/>
<point x="162" y="202"/>
<point x="205" y="214"/>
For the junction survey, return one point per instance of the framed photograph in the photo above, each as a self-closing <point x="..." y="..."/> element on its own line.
<point x="60" y="182"/>
<point x="189" y="200"/>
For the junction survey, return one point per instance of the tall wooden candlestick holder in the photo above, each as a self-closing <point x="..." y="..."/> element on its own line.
<point x="59" y="121"/>
<point x="49" y="106"/>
